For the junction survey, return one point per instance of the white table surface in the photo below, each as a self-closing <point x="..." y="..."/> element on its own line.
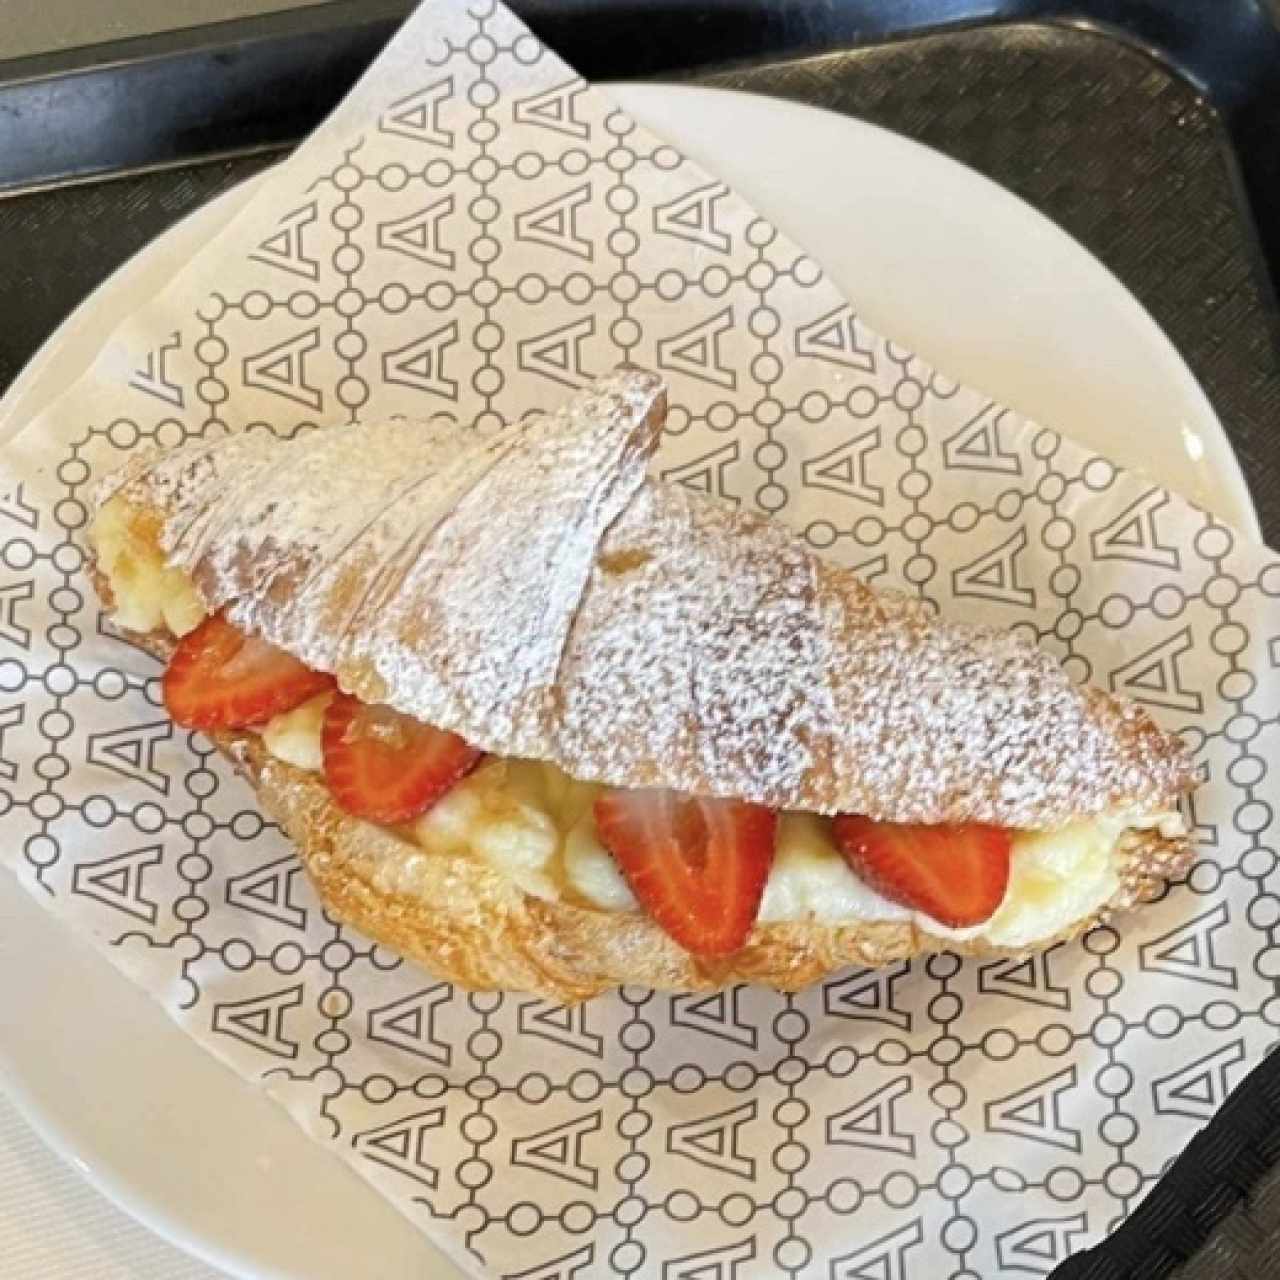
<point x="55" y="1226"/>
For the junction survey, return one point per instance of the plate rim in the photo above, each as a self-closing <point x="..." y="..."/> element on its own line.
<point x="148" y="1209"/>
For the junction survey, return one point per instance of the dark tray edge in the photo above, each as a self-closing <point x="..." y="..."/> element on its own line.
<point x="265" y="82"/>
<point x="256" y="83"/>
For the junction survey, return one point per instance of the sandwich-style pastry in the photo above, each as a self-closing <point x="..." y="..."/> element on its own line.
<point x="542" y="722"/>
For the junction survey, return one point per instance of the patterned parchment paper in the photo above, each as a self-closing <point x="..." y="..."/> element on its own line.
<point x="474" y="233"/>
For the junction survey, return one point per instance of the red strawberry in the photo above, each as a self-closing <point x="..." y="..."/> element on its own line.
<point x="220" y="678"/>
<point x="386" y="766"/>
<point x="956" y="874"/>
<point x="698" y="866"/>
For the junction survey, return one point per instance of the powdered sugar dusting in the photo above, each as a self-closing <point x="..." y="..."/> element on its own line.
<point x="544" y="597"/>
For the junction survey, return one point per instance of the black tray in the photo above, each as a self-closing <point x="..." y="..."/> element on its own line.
<point x="1149" y="129"/>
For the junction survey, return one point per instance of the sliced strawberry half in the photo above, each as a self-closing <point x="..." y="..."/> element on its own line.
<point x="220" y="678"/>
<point x="955" y="874"/>
<point x="698" y="866"/>
<point x="386" y="766"/>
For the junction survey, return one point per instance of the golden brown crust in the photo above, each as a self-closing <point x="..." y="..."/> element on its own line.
<point x="797" y="703"/>
<point x="472" y="925"/>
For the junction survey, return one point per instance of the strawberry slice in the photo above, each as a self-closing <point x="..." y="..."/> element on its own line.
<point x="955" y="874"/>
<point x="386" y="766"/>
<point x="699" y="866"/>
<point x="220" y="678"/>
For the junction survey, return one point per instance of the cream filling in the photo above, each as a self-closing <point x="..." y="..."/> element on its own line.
<point x="148" y="594"/>
<point x="534" y="823"/>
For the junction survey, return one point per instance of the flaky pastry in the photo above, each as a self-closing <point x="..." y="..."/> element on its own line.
<point x="540" y="597"/>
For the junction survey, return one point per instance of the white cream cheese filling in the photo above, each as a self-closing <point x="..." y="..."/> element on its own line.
<point x="534" y="823"/>
<point x="148" y="593"/>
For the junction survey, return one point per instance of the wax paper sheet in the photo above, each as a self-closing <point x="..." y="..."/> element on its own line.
<point x="473" y="234"/>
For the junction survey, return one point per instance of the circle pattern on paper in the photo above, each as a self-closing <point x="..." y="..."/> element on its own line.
<point x="499" y="234"/>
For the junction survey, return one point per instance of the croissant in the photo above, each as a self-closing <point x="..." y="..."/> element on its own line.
<point x="605" y="644"/>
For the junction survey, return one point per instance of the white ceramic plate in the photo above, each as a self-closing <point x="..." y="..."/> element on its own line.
<point x="948" y="263"/>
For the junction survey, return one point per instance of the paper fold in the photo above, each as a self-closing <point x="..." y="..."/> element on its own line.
<point x="473" y="235"/>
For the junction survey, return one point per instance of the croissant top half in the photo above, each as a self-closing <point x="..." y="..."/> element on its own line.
<point x="543" y="596"/>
